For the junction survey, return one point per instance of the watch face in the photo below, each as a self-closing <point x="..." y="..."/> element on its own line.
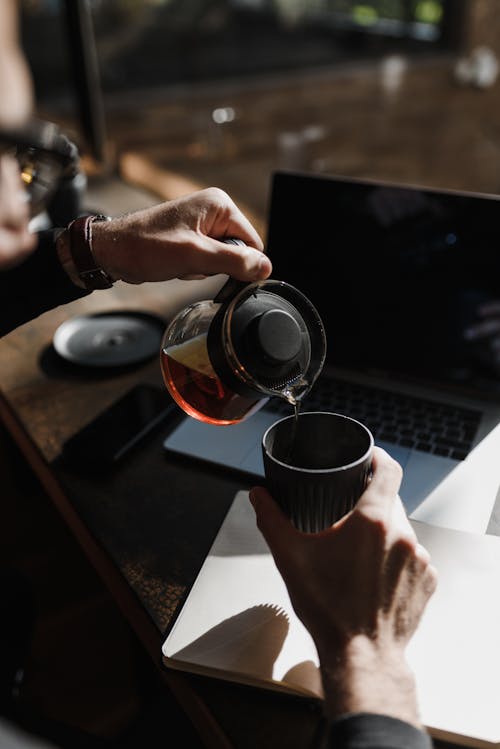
<point x="109" y="339"/>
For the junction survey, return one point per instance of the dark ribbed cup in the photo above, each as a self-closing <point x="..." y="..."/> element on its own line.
<point x="317" y="470"/>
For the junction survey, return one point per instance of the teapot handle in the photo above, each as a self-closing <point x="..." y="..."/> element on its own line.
<point x="232" y="285"/>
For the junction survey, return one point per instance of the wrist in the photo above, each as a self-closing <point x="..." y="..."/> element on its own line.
<point x="368" y="678"/>
<point x="79" y="256"/>
<point x="66" y="259"/>
<point x="104" y="243"/>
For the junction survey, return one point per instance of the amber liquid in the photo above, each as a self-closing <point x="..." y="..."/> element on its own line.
<point x="192" y="382"/>
<point x="203" y="395"/>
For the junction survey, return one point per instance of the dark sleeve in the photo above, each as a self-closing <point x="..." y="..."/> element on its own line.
<point x="372" y="731"/>
<point x="37" y="285"/>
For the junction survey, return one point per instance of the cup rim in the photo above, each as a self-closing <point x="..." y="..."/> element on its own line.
<point x="319" y="470"/>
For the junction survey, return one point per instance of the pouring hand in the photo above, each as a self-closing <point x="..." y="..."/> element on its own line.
<point x="180" y="239"/>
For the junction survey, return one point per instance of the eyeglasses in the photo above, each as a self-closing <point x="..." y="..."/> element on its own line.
<point x="45" y="157"/>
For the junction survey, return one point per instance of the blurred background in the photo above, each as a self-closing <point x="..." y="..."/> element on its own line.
<point x="179" y="94"/>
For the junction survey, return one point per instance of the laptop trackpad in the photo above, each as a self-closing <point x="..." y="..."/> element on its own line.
<point x="423" y="473"/>
<point x="236" y="446"/>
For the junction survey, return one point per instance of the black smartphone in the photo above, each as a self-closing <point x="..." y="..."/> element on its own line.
<point x="109" y="437"/>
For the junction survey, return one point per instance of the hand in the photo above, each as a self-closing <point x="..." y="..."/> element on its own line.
<point x="16" y="242"/>
<point x="181" y="239"/>
<point x="360" y="588"/>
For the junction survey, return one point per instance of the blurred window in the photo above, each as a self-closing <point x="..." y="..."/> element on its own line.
<point x="154" y="43"/>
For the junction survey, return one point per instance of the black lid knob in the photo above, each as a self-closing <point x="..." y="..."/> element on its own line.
<point x="277" y="336"/>
<point x="270" y="339"/>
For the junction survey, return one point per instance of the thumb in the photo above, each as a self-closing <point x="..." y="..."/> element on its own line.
<point x="271" y="521"/>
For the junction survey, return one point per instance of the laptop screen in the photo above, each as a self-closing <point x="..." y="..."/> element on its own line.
<point x="406" y="280"/>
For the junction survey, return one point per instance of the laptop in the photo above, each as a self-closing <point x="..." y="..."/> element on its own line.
<point x="399" y="275"/>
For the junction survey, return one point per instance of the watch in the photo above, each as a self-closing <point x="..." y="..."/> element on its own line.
<point x="80" y="247"/>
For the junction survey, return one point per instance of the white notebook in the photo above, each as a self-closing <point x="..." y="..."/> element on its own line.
<point x="237" y="624"/>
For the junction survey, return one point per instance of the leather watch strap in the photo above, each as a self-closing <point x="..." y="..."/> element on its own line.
<point x="80" y="241"/>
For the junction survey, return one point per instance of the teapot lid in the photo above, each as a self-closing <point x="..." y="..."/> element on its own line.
<point x="267" y="338"/>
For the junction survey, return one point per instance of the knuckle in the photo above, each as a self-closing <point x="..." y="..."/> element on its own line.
<point x="388" y="463"/>
<point x="374" y="525"/>
<point x="217" y="195"/>
<point x="408" y="543"/>
<point x="395" y="468"/>
<point x="431" y="579"/>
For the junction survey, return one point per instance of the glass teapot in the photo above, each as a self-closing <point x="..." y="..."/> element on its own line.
<point x="222" y="359"/>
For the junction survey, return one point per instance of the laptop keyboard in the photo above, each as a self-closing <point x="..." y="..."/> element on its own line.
<point x="404" y="420"/>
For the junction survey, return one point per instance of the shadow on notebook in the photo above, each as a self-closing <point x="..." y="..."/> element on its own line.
<point x="398" y="275"/>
